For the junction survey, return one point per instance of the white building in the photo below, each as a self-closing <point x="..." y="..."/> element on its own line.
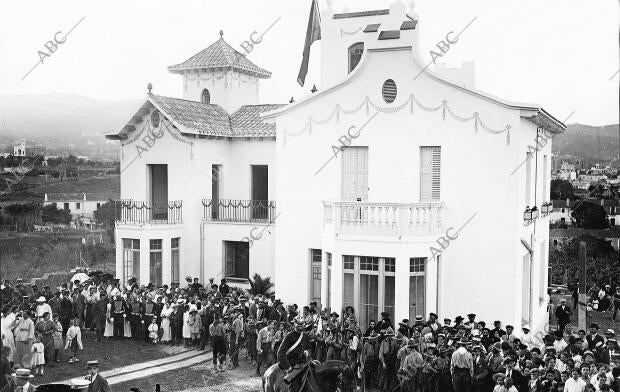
<point x="363" y="225"/>
<point x="81" y="205"/>
<point x="23" y="150"/>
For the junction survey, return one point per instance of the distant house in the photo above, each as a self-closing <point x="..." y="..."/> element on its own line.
<point x="81" y="205"/>
<point x="26" y="150"/>
<point x="562" y="210"/>
<point x="558" y="237"/>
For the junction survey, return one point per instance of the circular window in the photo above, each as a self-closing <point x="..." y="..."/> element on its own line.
<point x="205" y="97"/>
<point x="389" y="91"/>
<point x="155" y="119"/>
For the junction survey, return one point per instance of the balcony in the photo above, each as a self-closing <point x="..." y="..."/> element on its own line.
<point x="233" y="210"/>
<point x="389" y="219"/>
<point x="149" y="212"/>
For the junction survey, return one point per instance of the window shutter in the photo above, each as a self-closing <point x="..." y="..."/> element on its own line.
<point x="430" y="172"/>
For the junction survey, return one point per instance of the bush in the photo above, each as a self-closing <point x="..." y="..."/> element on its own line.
<point x="260" y="285"/>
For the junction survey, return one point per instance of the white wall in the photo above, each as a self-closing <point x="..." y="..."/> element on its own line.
<point x="229" y="89"/>
<point x="475" y="179"/>
<point x="189" y="180"/>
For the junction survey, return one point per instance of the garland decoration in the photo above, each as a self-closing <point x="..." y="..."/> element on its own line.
<point x="342" y="32"/>
<point x="367" y="103"/>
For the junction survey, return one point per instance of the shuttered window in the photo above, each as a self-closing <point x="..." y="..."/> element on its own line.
<point x="430" y="169"/>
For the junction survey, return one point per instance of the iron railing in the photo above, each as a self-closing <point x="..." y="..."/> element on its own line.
<point x="149" y="212"/>
<point x="233" y="210"/>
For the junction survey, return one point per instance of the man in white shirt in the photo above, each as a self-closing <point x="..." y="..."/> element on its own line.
<point x="575" y="383"/>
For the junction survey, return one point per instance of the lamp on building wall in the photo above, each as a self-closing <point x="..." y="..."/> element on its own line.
<point x="527" y="215"/>
<point x="534" y="212"/>
<point x="546" y="208"/>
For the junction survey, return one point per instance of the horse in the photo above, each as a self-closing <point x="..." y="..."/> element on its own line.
<point x="329" y="376"/>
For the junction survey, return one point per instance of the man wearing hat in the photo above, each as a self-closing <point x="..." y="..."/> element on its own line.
<point x="594" y="338"/>
<point x="480" y="382"/>
<point x="562" y="314"/>
<point x="66" y="311"/>
<point x="369" y="360"/>
<point x="97" y="382"/>
<point x="99" y="315"/>
<point x="517" y="377"/>
<point x="605" y="353"/>
<point x="264" y="339"/>
<point x="388" y="350"/>
<point x="293" y="350"/>
<point x="462" y="367"/>
<point x="22" y="378"/>
<point x="433" y="323"/>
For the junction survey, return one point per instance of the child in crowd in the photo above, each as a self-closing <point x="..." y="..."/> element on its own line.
<point x="74" y="340"/>
<point x="57" y="335"/>
<point x="153" y="328"/>
<point x="38" y="357"/>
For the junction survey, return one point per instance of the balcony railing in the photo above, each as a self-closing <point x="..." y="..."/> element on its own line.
<point x="149" y="212"/>
<point x="398" y="219"/>
<point x="233" y="210"/>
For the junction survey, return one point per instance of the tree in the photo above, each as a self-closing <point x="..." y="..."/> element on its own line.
<point x="596" y="190"/>
<point x="52" y="214"/>
<point x="105" y="215"/>
<point x="590" y="216"/>
<point x="602" y="264"/>
<point x="562" y="189"/>
<point x="261" y="285"/>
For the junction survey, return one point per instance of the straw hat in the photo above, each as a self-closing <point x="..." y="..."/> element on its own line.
<point x="22" y="373"/>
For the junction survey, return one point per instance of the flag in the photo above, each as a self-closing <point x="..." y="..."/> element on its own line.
<point x="312" y="34"/>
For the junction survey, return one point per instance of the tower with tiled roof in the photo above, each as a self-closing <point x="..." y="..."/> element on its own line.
<point x="221" y="75"/>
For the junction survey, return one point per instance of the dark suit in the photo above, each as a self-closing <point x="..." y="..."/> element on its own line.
<point x="99" y="384"/>
<point x="481" y="374"/>
<point x="99" y="311"/>
<point x="562" y="313"/>
<point x="519" y="380"/>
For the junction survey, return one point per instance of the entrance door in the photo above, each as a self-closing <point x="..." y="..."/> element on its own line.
<point x="159" y="192"/>
<point x="216" y="171"/>
<point x="260" y="194"/>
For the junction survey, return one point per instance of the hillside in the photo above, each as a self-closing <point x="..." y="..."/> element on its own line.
<point x="63" y="123"/>
<point x="591" y="143"/>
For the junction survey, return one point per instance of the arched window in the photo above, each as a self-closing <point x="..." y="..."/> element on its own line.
<point x="355" y="55"/>
<point x="205" y="97"/>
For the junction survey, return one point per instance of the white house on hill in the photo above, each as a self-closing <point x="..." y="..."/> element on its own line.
<point x="386" y="198"/>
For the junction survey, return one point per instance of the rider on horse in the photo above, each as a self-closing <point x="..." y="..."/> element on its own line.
<point x="293" y="354"/>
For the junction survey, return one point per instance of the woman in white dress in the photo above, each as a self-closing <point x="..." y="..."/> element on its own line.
<point x="109" y="323"/>
<point x="165" y="323"/>
<point x="187" y="334"/>
<point x="8" y="323"/>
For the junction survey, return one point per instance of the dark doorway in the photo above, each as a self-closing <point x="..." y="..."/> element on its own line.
<point x="237" y="259"/>
<point x="216" y="172"/>
<point x="260" y="194"/>
<point x="159" y="191"/>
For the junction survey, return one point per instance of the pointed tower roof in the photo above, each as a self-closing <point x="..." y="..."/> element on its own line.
<point x="220" y="55"/>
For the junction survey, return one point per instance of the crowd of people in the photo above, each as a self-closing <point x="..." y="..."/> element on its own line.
<point x="463" y="354"/>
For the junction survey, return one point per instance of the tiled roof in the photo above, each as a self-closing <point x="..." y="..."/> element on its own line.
<point x="360" y="14"/>
<point x="372" y="28"/>
<point x="389" y="34"/>
<point x="220" y="55"/>
<point x="408" y="25"/>
<point x="247" y="121"/>
<point x="203" y="118"/>
<point x="209" y="119"/>
<point x="575" y="232"/>
<point x="102" y="196"/>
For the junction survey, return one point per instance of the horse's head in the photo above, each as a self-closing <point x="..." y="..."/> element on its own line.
<point x="346" y="379"/>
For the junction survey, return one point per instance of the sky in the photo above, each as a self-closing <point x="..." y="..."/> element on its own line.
<point x="561" y="54"/>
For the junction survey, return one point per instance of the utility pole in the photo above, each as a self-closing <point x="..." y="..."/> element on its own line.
<point x="581" y="309"/>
